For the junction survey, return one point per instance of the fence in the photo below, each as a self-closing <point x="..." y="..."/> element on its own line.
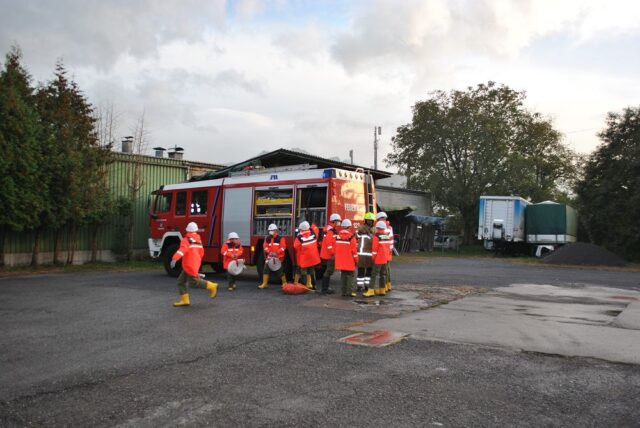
<point x="153" y="173"/>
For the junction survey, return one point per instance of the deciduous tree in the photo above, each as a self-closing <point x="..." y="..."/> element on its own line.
<point x="609" y="192"/>
<point x="464" y="144"/>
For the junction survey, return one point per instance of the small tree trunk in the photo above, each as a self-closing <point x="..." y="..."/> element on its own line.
<point x="56" y="246"/>
<point x="130" y="238"/>
<point x="468" y="232"/>
<point x="73" y="232"/>
<point x="95" y="228"/>
<point x="35" y="253"/>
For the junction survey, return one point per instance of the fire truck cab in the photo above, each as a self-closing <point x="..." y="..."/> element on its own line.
<point x="247" y="202"/>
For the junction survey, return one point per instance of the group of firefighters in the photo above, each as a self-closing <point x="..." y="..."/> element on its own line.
<point x="362" y="256"/>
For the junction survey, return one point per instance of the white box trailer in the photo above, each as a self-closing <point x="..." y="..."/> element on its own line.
<point x="502" y="221"/>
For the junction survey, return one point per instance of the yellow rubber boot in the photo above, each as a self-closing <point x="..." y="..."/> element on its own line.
<point x="380" y="292"/>
<point x="296" y="278"/>
<point x="309" y="282"/>
<point x="265" y="281"/>
<point x="213" y="289"/>
<point x="283" y="278"/>
<point x="184" y="301"/>
<point x="369" y="293"/>
<point x="388" y="287"/>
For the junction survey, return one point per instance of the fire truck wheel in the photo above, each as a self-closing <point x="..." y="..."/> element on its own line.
<point x="167" y="255"/>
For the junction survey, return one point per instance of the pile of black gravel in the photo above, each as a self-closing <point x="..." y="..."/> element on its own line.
<point x="580" y="253"/>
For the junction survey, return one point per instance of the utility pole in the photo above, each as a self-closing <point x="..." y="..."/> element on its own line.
<point x="377" y="130"/>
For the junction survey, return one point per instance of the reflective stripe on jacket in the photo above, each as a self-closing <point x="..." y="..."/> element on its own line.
<point x="346" y="251"/>
<point x="326" y="251"/>
<point x="230" y="252"/>
<point x="275" y="244"/>
<point x="381" y="249"/>
<point x="364" y="235"/>
<point x="191" y="253"/>
<point x="306" y="246"/>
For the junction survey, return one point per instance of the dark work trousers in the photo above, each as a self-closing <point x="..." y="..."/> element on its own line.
<point x="193" y="282"/>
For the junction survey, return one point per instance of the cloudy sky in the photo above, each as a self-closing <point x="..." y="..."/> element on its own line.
<point x="228" y="79"/>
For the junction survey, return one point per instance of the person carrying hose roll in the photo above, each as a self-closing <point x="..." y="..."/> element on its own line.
<point x="191" y="253"/>
<point x="231" y="250"/>
<point x="275" y="248"/>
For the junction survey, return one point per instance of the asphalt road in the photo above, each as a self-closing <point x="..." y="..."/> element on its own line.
<point x="108" y="349"/>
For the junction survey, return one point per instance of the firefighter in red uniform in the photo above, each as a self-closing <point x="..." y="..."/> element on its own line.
<point x="231" y="250"/>
<point x="346" y="251"/>
<point x="380" y="252"/>
<point x="326" y="251"/>
<point x="191" y="253"/>
<point x="382" y="216"/>
<point x="307" y="256"/>
<point x="275" y="247"/>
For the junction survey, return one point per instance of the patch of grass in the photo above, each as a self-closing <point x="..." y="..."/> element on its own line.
<point x="463" y="251"/>
<point x="132" y="266"/>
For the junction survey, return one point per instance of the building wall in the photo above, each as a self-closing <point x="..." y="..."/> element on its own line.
<point x="154" y="172"/>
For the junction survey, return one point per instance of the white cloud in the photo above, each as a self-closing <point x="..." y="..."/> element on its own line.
<point x="226" y="89"/>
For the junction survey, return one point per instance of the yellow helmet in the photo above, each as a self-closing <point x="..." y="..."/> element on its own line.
<point x="369" y="216"/>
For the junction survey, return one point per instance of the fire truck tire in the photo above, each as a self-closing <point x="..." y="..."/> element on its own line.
<point x="167" y="254"/>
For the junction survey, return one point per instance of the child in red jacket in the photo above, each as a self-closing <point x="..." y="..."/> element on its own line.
<point x="307" y="255"/>
<point x="231" y="250"/>
<point x="345" y="249"/>
<point x="381" y="253"/>
<point x="191" y="253"/>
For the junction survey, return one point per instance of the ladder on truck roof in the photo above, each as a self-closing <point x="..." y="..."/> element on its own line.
<point x="370" y="189"/>
<point x="258" y="171"/>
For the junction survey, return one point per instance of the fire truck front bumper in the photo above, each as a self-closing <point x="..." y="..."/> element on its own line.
<point x="155" y="246"/>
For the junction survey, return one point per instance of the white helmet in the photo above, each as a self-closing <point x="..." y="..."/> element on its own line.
<point x="233" y="235"/>
<point x="304" y="225"/>
<point x="381" y="225"/>
<point x="335" y="217"/>
<point x="192" y="227"/>
<point x="380" y="215"/>
<point x="272" y="226"/>
<point x="346" y="223"/>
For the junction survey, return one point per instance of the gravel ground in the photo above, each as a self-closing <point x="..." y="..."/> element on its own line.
<point x="98" y="349"/>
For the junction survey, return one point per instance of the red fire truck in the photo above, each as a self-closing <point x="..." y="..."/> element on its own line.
<point x="247" y="202"/>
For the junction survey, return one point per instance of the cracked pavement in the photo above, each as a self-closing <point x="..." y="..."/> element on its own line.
<point x="108" y="349"/>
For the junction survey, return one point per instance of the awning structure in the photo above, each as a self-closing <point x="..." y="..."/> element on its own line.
<point x="396" y="211"/>
<point x="285" y="157"/>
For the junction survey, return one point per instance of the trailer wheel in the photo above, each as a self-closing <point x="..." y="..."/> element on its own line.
<point x="167" y="255"/>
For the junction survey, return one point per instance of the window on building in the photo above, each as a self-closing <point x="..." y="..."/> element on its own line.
<point x="199" y="202"/>
<point x="181" y="203"/>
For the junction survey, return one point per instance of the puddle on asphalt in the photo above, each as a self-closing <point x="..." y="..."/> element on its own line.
<point x="371" y="302"/>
